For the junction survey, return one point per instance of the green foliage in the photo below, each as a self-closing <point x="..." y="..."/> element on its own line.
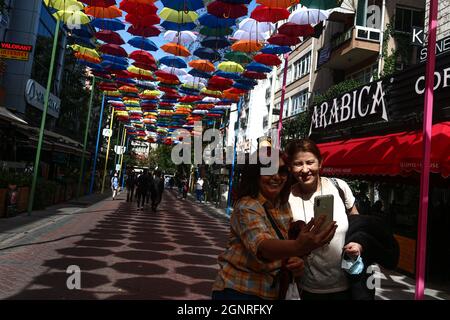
<point x="402" y="52"/>
<point x="18" y="178"/>
<point x="296" y="128"/>
<point x="337" y="90"/>
<point x="161" y="158"/>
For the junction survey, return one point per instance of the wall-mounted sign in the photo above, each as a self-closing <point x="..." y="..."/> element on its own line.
<point x="107" y="132"/>
<point x="35" y="94"/>
<point x="442" y="46"/>
<point x="15" y="51"/>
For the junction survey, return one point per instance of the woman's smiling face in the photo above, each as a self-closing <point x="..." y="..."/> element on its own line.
<point x="305" y="168"/>
<point x="271" y="186"/>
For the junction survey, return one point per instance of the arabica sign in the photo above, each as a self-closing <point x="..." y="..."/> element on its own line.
<point x="35" y="94"/>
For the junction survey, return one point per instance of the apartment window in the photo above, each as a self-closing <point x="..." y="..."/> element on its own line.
<point x="300" y="102"/>
<point x="302" y="66"/>
<point x="265" y="122"/>
<point x="365" y="75"/>
<point x="405" y="19"/>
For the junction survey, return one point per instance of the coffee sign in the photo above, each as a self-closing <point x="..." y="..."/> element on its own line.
<point x="35" y="94"/>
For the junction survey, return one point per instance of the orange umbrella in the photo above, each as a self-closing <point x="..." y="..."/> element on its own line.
<point x="278" y="3"/>
<point x="246" y="46"/>
<point x="168" y="81"/>
<point x="99" y="12"/>
<point x="176" y="49"/>
<point x="87" y="57"/>
<point x="202" y="65"/>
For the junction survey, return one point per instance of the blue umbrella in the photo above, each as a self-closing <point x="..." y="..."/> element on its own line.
<point x="247" y="81"/>
<point x="199" y="74"/>
<point x="112" y="66"/>
<point x="183" y="5"/>
<point x="215" y="42"/>
<point x="212" y="21"/>
<point x="115" y="59"/>
<point x="143" y="44"/>
<point x="178" y="26"/>
<point x="275" y="49"/>
<point x="126" y="80"/>
<point x="91" y="65"/>
<point x="242" y="86"/>
<point x="258" y="67"/>
<point x="84" y="41"/>
<point x="188" y="91"/>
<point x="83" y="31"/>
<point x="207" y="53"/>
<point x="170" y="61"/>
<point x="108" y="24"/>
<point x="228" y="75"/>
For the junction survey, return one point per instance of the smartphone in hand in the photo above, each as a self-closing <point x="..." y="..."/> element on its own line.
<point x="324" y="205"/>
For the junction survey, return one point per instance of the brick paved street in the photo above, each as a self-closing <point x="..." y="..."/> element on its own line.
<point x="122" y="253"/>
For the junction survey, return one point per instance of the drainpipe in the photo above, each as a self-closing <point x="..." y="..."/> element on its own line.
<point x="380" y="58"/>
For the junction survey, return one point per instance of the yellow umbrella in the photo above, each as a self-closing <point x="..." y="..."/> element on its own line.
<point x="178" y="16"/>
<point x="72" y="18"/>
<point x="230" y="66"/>
<point x="71" y="5"/>
<point x="139" y="71"/>
<point x="85" y="51"/>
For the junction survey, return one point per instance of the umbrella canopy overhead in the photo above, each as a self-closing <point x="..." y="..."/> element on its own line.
<point x="212" y="21"/>
<point x="178" y="26"/>
<point x="230" y="66"/>
<point x="267" y="59"/>
<point x="142" y="56"/>
<point x="268" y="14"/>
<point x="223" y="9"/>
<point x="246" y="46"/>
<point x="70" y="5"/>
<point x="100" y="12"/>
<point x="173" y="62"/>
<point x="216" y="32"/>
<point x="172" y="15"/>
<point x="283" y="40"/>
<point x="143" y="44"/>
<point x="113" y="49"/>
<point x="108" y="24"/>
<point x="181" y="5"/>
<point x="134" y="7"/>
<point x="215" y="42"/>
<point x="73" y="19"/>
<point x="144" y="31"/>
<point x="275" y="49"/>
<point x="99" y="3"/>
<point x="308" y="16"/>
<point x="176" y="49"/>
<point x="202" y="65"/>
<point x="237" y="56"/>
<point x="321" y="4"/>
<point x="109" y="37"/>
<point x="181" y="37"/>
<point x="207" y="53"/>
<point x="296" y="30"/>
<point x="278" y="3"/>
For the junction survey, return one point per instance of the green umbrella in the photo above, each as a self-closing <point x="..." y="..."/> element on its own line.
<point x="238" y="56"/>
<point x="218" y="32"/>
<point x="321" y="4"/>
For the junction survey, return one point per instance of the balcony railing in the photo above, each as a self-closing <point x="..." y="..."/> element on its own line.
<point x="361" y="33"/>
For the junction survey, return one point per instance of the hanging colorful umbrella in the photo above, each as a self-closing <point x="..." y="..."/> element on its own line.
<point x="172" y="70"/>
<point x="85" y="51"/>
<point x="207" y="53"/>
<point x="182" y="5"/>
<point x="202" y="65"/>
<point x="321" y="4"/>
<point x="226" y="10"/>
<point x="173" y="62"/>
<point x="99" y="3"/>
<point x="165" y="75"/>
<point x="258" y="67"/>
<point x="216" y="32"/>
<point x="100" y="12"/>
<point x="215" y="42"/>
<point x="172" y="15"/>
<point x="83" y="32"/>
<point x="237" y="56"/>
<point x="114" y="59"/>
<point x="245" y="35"/>
<point x="212" y="21"/>
<point x="283" y="40"/>
<point x="178" y="26"/>
<point x="254" y="75"/>
<point x="176" y="49"/>
<point x="219" y="83"/>
<point x="113" y="49"/>
<point x="199" y="74"/>
<point x="86" y="42"/>
<point x="144" y="31"/>
<point x="145" y="66"/>
<point x="143" y="44"/>
<point x="251" y="25"/>
<point x="230" y="66"/>
<point x="268" y="14"/>
<point x="228" y="75"/>
<point x="134" y="7"/>
<point x="108" y="24"/>
<point x="109" y="37"/>
<point x="181" y="37"/>
<point x="87" y="58"/>
<point x="267" y="59"/>
<point x="275" y="49"/>
<point x="73" y="19"/>
<point x="70" y="5"/>
<point x="246" y="46"/>
<point x="278" y="3"/>
<point x="308" y="16"/>
<point x="142" y="56"/>
<point x="140" y="73"/>
<point x="296" y="30"/>
<point x="142" y="20"/>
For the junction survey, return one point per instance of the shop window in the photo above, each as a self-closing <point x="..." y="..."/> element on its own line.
<point x="302" y="66"/>
<point x="365" y="75"/>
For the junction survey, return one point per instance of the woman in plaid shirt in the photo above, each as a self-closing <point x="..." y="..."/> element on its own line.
<point x="249" y="265"/>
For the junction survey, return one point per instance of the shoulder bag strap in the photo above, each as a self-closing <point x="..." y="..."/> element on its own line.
<point x="341" y="192"/>
<point x="273" y="223"/>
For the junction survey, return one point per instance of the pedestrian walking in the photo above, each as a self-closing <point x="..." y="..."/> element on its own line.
<point x="142" y="186"/>
<point x="185" y="186"/>
<point x="158" y="188"/>
<point x="250" y="268"/>
<point x="114" y="185"/>
<point x="130" y="185"/>
<point x="199" y="189"/>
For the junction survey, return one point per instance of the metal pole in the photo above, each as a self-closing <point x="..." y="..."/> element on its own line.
<point x="44" y="115"/>
<point x="107" y="151"/>
<point x="122" y="144"/>
<point x="425" y="174"/>
<point x="86" y="133"/>
<point x="118" y="138"/>
<point x="91" y="187"/>
<point x="283" y="92"/>
<point x="233" y="163"/>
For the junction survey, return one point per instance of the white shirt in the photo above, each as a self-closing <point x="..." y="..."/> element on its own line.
<point x="199" y="184"/>
<point x="323" y="273"/>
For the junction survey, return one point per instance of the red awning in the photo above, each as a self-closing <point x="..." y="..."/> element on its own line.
<point x="393" y="154"/>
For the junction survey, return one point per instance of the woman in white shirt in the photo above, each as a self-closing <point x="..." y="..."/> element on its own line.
<point x="323" y="278"/>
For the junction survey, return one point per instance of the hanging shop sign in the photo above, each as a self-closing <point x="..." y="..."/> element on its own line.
<point x="15" y="51"/>
<point x="107" y="132"/>
<point x="390" y="104"/>
<point x="35" y="94"/>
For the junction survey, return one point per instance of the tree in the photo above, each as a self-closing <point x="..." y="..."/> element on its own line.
<point x="161" y="158"/>
<point x="296" y="127"/>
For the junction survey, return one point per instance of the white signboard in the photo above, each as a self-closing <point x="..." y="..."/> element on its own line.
<point x="117" y="167"/>
<point x="34" y="95"/>
<point x="119" y="149"/>
<point x="107" y="132"/>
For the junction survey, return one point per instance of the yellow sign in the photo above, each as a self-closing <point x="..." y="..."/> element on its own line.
<point x="14" y="54"/>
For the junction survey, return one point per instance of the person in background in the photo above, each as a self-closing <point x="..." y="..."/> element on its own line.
<point x="142" y="185"/>
<point x="158" y="188"/>
<point x="114" y="185"/>
<point x="130" y="184"/>
<point x="199" y="189"/>
<point x="250" y="267"/>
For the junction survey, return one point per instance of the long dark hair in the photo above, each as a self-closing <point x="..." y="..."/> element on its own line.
<point x="249" y="179"/>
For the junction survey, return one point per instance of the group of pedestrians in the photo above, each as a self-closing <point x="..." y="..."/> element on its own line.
<point x="147" y="187"/>
<point x="278" y="249"/>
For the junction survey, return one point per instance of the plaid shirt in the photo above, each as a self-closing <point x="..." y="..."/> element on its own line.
<point x="241" y="268"/>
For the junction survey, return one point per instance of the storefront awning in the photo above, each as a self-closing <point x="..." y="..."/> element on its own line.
<point x="8" y="115"/>
<point x="393" y="154"/>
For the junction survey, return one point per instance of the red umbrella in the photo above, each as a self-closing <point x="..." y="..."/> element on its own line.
<point x="100" y="74"/>
<point x="142" y="20"/>
<point x="254" y="75"/>
<point x="166" y="75"/>
<point x="267" y="14"/>
<point x="296" y="30"/>
<point x="107" y="86"/>
<point x="236" y="91"/>
<point x="142" y="57"/>
<point x="167" y="90"/>
<point x="145" y="66"/>
<point x="283" y="40"/>
<point x="113" y="49"/>
<point x="144" y="31"/>
<point x="188" y="99"/>
<point x="122" y="74"/>
<point x="109" y="36"/>
<point x="219" y="83"/>
<point x="137" y="7"/>
<point x="267" y="59"/>
<point x="99" y="3"/>
<point x="227" y="10"/>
